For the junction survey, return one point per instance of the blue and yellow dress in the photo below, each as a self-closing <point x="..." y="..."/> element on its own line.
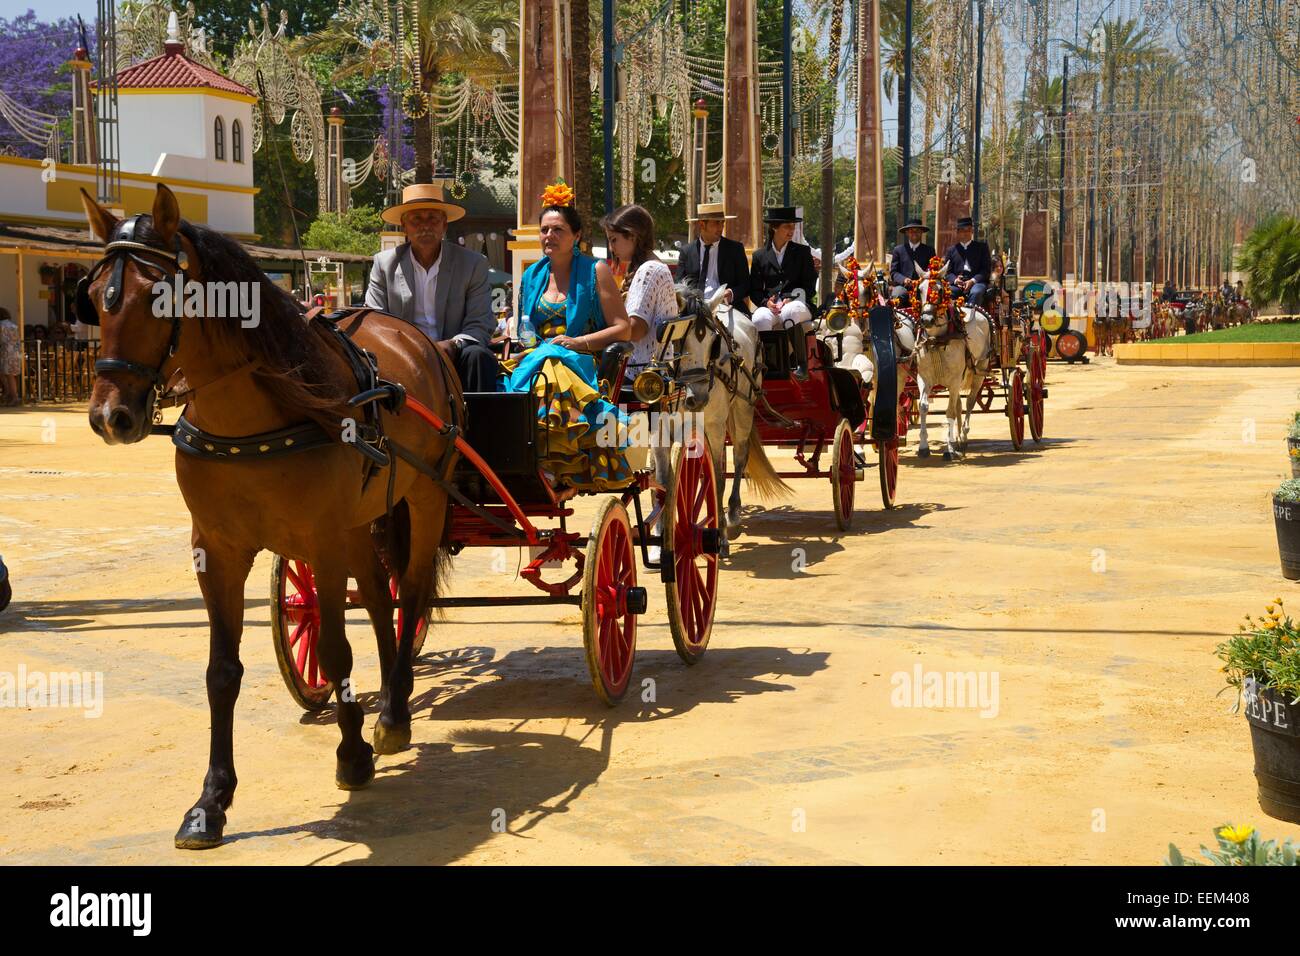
<point x="583" y="431"/>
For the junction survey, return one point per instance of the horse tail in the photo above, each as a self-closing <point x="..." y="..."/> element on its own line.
<point x="762" y="477"/>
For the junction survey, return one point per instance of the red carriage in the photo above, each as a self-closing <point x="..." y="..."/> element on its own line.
<point x="1016" y="383"/>
<point x="834" y="410"/>
<point x="502" y="499"/>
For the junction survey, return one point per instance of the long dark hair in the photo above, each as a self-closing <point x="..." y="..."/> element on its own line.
<point x="636" y="222"/>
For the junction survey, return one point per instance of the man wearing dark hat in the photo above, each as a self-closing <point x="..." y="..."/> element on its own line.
<point x="969" y="263"/>
<point x="441" y="287"/>
<point x="783" y="283"/>
<point x="913" y="251"/>
<point x="712" y="260"/>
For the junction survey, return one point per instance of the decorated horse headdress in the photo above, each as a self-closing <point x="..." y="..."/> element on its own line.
<point x="937" y="293"/>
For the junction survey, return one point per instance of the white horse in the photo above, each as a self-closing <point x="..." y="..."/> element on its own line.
<point x="856" y="351"/>
<point x="719" y="368"/>
<point x="953" y="361"/>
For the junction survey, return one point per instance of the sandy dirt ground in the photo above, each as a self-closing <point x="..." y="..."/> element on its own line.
<point x="1091" y="576"/>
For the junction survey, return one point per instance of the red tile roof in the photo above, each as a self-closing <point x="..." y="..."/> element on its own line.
<point x="173" y="69"/>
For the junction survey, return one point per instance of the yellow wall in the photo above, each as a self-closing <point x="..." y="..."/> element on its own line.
<point x="63" y="195"/>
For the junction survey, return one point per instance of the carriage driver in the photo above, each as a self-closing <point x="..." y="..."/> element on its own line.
<point x="783" y="284"/>
<point x="907" y="255"/>
<point x="969" y="263"/>
<point x="438" y="286"/>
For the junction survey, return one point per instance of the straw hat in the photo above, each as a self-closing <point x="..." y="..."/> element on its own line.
<point x="710" y="210"/>
<point x="422" y="196"/>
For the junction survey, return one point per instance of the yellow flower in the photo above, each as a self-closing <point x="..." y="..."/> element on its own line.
<point x="1236" y="834"/>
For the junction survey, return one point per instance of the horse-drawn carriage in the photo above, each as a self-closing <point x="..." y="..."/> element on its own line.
<point x="502" y="499"/>
<point x="997" y="357"/>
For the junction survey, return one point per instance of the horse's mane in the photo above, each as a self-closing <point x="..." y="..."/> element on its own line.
<point x="693" y="301"/>
<point x="295" y="361"/>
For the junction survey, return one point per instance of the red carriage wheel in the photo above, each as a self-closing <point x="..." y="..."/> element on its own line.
<point x="1041" y="345"/>
<point x="1036" y="390"/>
<point x="844" y="474"/>
<point x="888" y="464"/>
<point x="691" y="525"/>
<point x="1016" y="408"/>
<point x="609" y="594"/>
<point x="295" y="630"/>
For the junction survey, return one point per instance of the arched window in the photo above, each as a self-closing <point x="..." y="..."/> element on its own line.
<point x="219" y="139"/>
<point x="236" y="141"/>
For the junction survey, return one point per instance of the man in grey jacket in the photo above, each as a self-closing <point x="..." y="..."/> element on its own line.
<point x="439" y="286"/>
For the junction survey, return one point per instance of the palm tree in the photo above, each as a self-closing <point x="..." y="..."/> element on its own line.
<point x="1270" y="257"/>
<point x="473" y="38"/>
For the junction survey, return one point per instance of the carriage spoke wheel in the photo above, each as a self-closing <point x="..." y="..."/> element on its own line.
<point x="1016" y="408"/>
<point x="1036" y="389"/>
<point x="295" y="631"/>
<point x="888" y="466"/>
<point x="691" y="525"/>
<point x="608" y="623"/>
<point x="844" y="475"/>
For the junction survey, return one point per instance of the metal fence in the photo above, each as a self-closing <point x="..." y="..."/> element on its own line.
<point x="58" y="371"/>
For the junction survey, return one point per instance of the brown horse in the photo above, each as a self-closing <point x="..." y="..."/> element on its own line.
<point x="243" y="380"/>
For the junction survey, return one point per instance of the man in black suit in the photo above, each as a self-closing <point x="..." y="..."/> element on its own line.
<point x="783" y="284"/>
<point x="913" y="251"/>
<point x="969" y="263"/>
<point x="712" y="260"/>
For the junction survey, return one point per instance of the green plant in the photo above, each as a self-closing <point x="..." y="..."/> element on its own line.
<point x="1293" y="429"/>
<point x="1239" y="846"/>
<point x="1289" y="490"/>
<point x="356" y="231"/>
<point x="1266" y="649"/>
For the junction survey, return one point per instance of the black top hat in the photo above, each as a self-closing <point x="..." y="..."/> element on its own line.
<point x="965" y="222"/>
<point x="913" y="223"/>
<point x="775" y="215"/>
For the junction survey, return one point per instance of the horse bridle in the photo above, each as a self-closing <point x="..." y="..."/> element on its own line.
<point x="121" y="247"/>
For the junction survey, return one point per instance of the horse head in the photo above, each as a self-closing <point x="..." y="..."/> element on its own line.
<point x="137" y="343"/>
<point x="934" y="317"/>
<point x="702" y="345"/>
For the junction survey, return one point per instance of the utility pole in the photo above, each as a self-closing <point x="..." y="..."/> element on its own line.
<point x="979" y="118"/>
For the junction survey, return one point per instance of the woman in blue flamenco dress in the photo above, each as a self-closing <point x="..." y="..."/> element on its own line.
<point x="575" y="306"/>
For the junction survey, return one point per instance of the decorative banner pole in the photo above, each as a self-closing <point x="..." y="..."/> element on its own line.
<point x="869" y="209"/>
<point x="787" y="98"/>
<point x="1060" y="191"/>
<point x="741" y="186"/>
<point x="336" y="190"/>
<point x="979" y="112"/>
<point x="905" y="114"/>
<point x="545" y="124"/>
<point x="610" y="85"/>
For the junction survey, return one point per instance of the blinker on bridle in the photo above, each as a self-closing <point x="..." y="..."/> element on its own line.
<point x="123" y="245"/>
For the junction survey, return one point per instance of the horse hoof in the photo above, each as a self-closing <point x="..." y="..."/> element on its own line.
<point x="391" y="740"/>
<point x="202" y="830"/>
<point x="923" y="452"/>
<point x="733" y="530"/>
<point x="947" y="456"/>
<point x="357" y="774"/>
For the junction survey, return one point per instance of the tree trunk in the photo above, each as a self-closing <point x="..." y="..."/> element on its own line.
<point x="580" y="33"/>
<point x="828" y="174"/>
<point x="423" y="128"/>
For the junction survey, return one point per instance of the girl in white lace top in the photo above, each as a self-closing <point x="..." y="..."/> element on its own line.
<point x="648" y="288"/>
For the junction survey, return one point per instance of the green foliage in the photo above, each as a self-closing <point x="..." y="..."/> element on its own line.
<point x="1293" y="429"/>
<point x="1270" y="257"/>
<point x="1289" y="490"/>
<point x="1265" y="649"/>
<point x="1238" y="846"/>
<point x="356" y="231"/>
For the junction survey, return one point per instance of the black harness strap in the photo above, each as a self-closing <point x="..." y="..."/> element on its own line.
<point x="284" y="441"/>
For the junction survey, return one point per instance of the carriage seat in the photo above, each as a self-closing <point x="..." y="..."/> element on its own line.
<point x="502" y="428"/>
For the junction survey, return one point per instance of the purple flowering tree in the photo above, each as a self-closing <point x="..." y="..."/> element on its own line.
<point x="34" y="73"/>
